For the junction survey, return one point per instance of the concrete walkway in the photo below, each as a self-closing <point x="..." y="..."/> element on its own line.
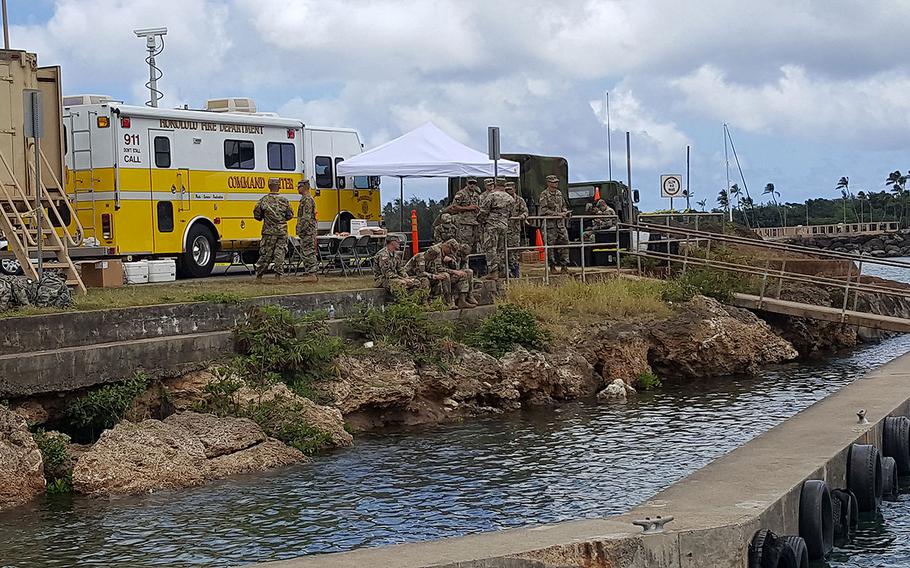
<point x="717" y="509"/>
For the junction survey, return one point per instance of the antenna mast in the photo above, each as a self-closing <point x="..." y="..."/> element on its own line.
<point x="609" y="139"/>
<point x="151" y="36"/>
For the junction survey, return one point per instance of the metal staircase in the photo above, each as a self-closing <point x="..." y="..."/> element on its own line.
<point x="19" y="224"/>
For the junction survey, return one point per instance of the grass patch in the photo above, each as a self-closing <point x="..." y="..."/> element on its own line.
<point x="58" y="465"/>
<point x="714" y="283"/>
<point x="508" y="327"/>
<point x="562" y="307"/>
<point x="86" y="417"/>
<point x="229" y="298"/>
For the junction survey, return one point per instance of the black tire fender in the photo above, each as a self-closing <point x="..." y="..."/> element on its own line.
<point x="890" y="486"/>
<point x="800" y="551"/>
<point x="864" y="476"/>
<point x="849" y="516"/>
<point x="767" y="550"/>
<point x="816" y="518"/>
<point x="896" y="442"/>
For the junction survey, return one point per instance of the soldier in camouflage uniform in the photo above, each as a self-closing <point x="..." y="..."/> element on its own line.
<point x="445" y="229"/>
<point x="602" y="223"/>
<point x="517" y="224"/>
<point x="427" y="267"/>
<point x="388" y="270"/>
<point x="465" y="205"/>
<point x="553" y="203"/>
<point x="274" y="211"/>
<point x="456" y="260"/>
<point x="495" y="209"/>
<point x="306" y="231"/>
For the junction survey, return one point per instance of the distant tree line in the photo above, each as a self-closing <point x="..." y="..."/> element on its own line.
<point x="427" y="211"/>
<point x="860" y="206"/>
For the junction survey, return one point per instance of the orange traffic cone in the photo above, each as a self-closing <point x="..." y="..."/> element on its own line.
<point x="538" y="242"/>
<point x="596" y="193"/>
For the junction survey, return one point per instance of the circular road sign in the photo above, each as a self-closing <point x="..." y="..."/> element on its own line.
<point x="670" y="185"/>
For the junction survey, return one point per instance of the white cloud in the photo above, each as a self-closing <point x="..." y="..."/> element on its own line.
<point x="873" y="108"/>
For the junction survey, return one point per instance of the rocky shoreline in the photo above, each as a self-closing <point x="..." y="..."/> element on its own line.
<point x="190" y="430"/>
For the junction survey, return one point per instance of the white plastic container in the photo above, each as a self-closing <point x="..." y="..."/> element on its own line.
<point x="136" y="272"/>
<point x="164" y="270"/>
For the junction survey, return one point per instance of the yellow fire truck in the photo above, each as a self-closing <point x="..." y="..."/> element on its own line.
<point x="149" y="182"/>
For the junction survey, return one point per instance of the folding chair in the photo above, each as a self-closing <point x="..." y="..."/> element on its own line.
<point x="346" y="255"/>
<point x="294" y="257"/>
<point x="325" y="253"/>
<point x="364" y="253"/>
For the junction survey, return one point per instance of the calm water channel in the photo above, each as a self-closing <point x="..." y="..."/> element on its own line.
<point x="570" y="462"/>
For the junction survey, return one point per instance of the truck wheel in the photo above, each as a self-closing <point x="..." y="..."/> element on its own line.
<point x="10" y="266"/>
<point x="199" y="257"/>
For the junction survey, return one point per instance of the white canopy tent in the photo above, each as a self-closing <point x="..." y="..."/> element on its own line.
<point x="426" y="152"/>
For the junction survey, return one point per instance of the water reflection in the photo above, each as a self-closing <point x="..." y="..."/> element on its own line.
<point x="575" y="461"/>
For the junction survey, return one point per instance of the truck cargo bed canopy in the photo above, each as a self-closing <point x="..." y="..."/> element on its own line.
<point x="424" y="152"/>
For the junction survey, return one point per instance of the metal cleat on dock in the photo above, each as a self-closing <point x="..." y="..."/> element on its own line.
<point x="652" y="526"/>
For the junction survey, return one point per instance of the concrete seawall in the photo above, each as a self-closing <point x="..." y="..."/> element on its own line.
<point x="717" y="509"/>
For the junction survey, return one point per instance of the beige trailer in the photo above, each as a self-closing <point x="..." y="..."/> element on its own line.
<point x="19" y="218"/>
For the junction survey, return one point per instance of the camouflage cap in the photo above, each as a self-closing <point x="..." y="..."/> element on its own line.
<point x="472" y="179"/>
<point x="488" y="181"/>
<point x="391" y="238"/>
<point x="445" y="218"/>
<point x="500" y="182"/>
<point x="274" y="181"/>
<point x="552" y="178"/>
<point x="464" y="248"/>
<point x="510" y="184"/>
<point x="303" y="182"/>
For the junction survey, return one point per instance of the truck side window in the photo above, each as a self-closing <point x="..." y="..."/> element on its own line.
<point x="282" y="156"/>
<point x="324" y="175"/>
<point x="238" y="155"/>
<point x="362" y="182"/>
<point x="165" y="216"/>
<point x="340" y="183"/>
<point x="162" y="152"/>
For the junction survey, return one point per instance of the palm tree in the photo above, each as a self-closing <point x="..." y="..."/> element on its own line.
<point x="724" y="201"/>
<point x="769" y="190"/>
<point x="701" y="204"/>
<point x="898" y="183"/>
<point x="843" y="184"/>
<point x="736" y="193"/>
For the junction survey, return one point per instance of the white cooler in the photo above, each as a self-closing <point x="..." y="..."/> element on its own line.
<point x="164" y="270"/>
<point x="136" y="272"/>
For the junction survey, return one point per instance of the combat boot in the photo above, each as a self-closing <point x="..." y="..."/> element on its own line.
<point x="564" y="269"/>
<point x="471" y="299"/>
<point x="461" y="303"/>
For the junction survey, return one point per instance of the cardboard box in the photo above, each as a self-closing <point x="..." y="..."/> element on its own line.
<point x="530" y="256"/>
<point x="102" y="274"/>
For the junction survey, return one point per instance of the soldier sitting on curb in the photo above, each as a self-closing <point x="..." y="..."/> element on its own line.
<point x="426" y="267"/>
<point x="388" y="270"/>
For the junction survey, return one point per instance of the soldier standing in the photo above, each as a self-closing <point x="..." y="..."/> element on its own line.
<point x="495" y="209"/>
<point x="517" y="224"/>
<point x="306" y="230"/>
<point x="552" y="203"/>
<point x="388" y="271"/>
<point x="445" y="229"/>
<point x="274" y="211"/>
<point x="465" y="205"/>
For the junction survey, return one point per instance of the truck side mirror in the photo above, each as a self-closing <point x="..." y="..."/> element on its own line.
<point x="635" y="195"/>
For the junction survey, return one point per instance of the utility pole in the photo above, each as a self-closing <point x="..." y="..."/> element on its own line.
<point x="5" y="26"/>
<point x="688" y="193"/>
<point x="727" y="189"/>
<point x="609" y="140"/>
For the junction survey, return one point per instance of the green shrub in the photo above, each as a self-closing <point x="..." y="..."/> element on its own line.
<point x="714" y="283"/>
<point x="508" y="327"/>
<point x="406" y="323"/>
<point x="220" y="399"/>
<point x="648" y="381"/>
<point x="677" y="291"/>
<point x="272" y="345"/>
<point x="280" y="419"/>
<point x="58" y="465"/>
<point x="90" y="414"/>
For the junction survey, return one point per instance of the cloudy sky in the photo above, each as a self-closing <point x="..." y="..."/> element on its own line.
<point x="812" y="90"/>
